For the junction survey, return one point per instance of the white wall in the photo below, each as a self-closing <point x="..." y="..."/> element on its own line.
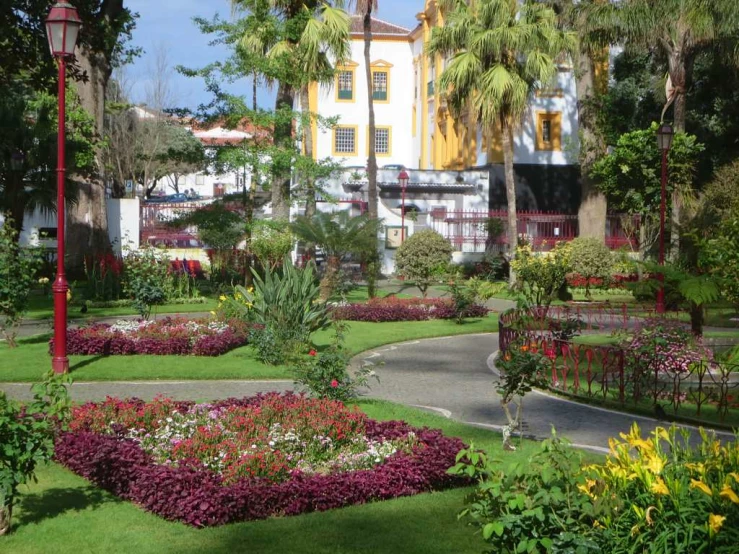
<point x="123" y="223"/>
<point x="396" y="114"/>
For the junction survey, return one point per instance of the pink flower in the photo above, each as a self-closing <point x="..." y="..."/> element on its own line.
<point x="312" y="353"/>
<point x="334" y="383"/>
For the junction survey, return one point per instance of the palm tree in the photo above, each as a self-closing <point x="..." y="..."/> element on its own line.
<point x="338" y="235"/>
<point x="502" y="52"/>
<point x="680" y="30"/>
<point x="323" y="44"/>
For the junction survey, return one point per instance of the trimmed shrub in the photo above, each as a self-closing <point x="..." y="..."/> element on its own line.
<point x="591" y="259"/>
<point x="423" y="258"/>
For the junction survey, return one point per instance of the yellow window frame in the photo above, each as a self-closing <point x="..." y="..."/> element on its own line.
<point x="349" y="67"/>
<point x="338" y="154"/>
<point x="554" y="144"/>
<point x="389" y="141"/>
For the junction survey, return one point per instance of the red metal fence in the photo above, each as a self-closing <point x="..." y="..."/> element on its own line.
<point x="615" y="374"/>
<point x="468" y="230"/>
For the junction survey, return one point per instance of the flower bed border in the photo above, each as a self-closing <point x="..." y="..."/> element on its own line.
<point x="85" y="342"/>
<point x="198" y="497"/>
<point x="383" y="310"/>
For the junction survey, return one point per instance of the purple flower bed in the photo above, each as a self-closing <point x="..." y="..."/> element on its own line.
<point x="165" y="337"/>
<point x="404" y="309"/>
<point x="199" y="497"/>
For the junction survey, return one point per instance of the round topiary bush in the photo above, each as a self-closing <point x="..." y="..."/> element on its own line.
<point x="423" y="258"/>
<point x="591" y="259"/>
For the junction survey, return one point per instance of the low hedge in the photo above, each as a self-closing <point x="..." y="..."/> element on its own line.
<point x="380" y="310"/>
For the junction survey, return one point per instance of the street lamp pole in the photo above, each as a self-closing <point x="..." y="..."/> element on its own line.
<point x="403" y="180"/>
<point x="62" y="29"/>
<point x="664" y="141"/>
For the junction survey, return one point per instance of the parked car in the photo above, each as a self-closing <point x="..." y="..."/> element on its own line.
<point x="394" y="166"/>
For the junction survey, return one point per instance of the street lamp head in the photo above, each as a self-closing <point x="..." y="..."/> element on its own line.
<point x="62" y="29"/>
<point x="664" y="136"/>
<point x="403" y="178"/>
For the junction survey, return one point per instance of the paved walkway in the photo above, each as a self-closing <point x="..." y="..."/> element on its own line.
<point x="453" y="376"/>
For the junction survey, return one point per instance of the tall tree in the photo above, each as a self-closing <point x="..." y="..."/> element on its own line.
<point x="366" y="8"/>
<point x="591" y="50"/>
<point x="502" y="52"/>
<point x="680" y="30"/>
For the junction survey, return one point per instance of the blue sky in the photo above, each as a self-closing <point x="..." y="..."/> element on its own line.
<point x="168" y="24"/>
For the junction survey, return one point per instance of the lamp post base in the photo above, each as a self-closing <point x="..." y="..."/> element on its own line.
<point x="661" y="300"/>
<point x="60" y="365"/>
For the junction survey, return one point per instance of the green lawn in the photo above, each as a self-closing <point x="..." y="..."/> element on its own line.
<point x="31" y="359"/>
<point x="63" y="513"/>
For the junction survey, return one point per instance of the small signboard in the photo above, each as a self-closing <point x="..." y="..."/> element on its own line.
<point x="394" y="236"/>
<point x="129" y="186"/>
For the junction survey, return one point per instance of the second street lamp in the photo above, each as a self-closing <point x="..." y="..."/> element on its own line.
<point x="664" y="142"/>
<point x="62" y="28"/>
<point x="403" y="180"/>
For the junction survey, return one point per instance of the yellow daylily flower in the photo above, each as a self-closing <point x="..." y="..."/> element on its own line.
<point x="655" y="464"/>
<point x="735" y="476"/>
<point x="659" y="487"/>
<point x="222" y="298"/>
<point x="715" y="522"/>
<point x="728" y="492"/>
<point x="647" y="516"/>
<point x="700" y="485"/>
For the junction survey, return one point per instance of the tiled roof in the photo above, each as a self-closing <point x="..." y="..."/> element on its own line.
<point x="379" y="27"/>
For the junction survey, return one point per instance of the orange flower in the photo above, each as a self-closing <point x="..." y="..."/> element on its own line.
<point x="524" y="348"/>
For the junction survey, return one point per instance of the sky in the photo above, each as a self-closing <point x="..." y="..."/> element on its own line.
<point x="166" y="25"/>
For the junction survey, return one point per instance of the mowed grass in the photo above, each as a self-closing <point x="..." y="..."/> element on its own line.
<point x="63" y="513"/>
<point x="31" y="359"/>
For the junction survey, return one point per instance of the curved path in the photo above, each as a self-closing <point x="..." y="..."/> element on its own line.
<point x="453" y="376"/>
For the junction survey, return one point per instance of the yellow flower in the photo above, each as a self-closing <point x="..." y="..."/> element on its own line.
<point x="728" y="492"/>
<point x="587" y="487"/>
<point x="222" y="298"/>
<point x="715" y="522"/>
<point x="700" y="485"/>
<point x="735" y="476"/>
<point x="647" y="516"/>
<point x="212" y="313"/>
<point x="655" y="464"/>
<point x="659" y="487"/>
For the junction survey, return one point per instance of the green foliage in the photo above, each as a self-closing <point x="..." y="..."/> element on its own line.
<point x="423" y="258"/>
<point x="324" y="374"/>
<point x="287" y="304"/>
<point x="144" y="278"/>
<point x="270" y="242"/>
<point x="18" y="269"/>
<point x="590" y="258"/>
<point x="27" y="437"/>
<point x="540" y="277"/>
<point x="721" y="258"/>
<point x="630" y="176"/>
<point x="719" y="200"/>
<point x="533" y="506"/>
<point x="471" y="292"/>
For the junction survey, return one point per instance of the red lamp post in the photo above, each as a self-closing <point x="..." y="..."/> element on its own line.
<point x="664" y="141"/>
<point x="62" y="28"/>
<point x="403" y="180"/>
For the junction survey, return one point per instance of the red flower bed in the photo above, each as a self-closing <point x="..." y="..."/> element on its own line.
<point x="237" y="460"/>
<point x="404" y="309"/>
<point x="164" y="337"/>
<point x="617" y="281"/>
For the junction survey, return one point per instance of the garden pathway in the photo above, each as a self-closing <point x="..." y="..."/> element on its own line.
<point x="453" y="376"/>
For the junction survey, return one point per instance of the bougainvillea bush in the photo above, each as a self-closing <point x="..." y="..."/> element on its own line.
<point x="168" y="336"/>
<point x="405" y="309"/>
<point x="237" y="460"/>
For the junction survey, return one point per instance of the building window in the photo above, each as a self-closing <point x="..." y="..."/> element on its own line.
<point x="379" y="85"/>
<point x="382" y="141"/>
<point x="345" y="86"/>
<point x="549" y="131"/>
<point x="345" y="140"/>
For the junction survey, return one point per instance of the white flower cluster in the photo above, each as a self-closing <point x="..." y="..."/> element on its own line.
<point x="130" y="325"/>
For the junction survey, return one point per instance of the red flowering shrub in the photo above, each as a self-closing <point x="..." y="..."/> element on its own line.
<point x="404" y="309"/>
<point x="237" y="460"/>
<point x="168" y="336"/>
<point x="576" y="280"/>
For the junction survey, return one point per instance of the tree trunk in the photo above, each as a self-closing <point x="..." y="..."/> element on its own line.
<point x="310" y="190"/>
<point x="87" y="220"/>
<point x="510" y="185"/>
<point x="372" y="158"/>
<point x="328" y="283"/>
<point x="591" y="215"/>
<point x="6" y="514"/>
<point x="283" y="137"/>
